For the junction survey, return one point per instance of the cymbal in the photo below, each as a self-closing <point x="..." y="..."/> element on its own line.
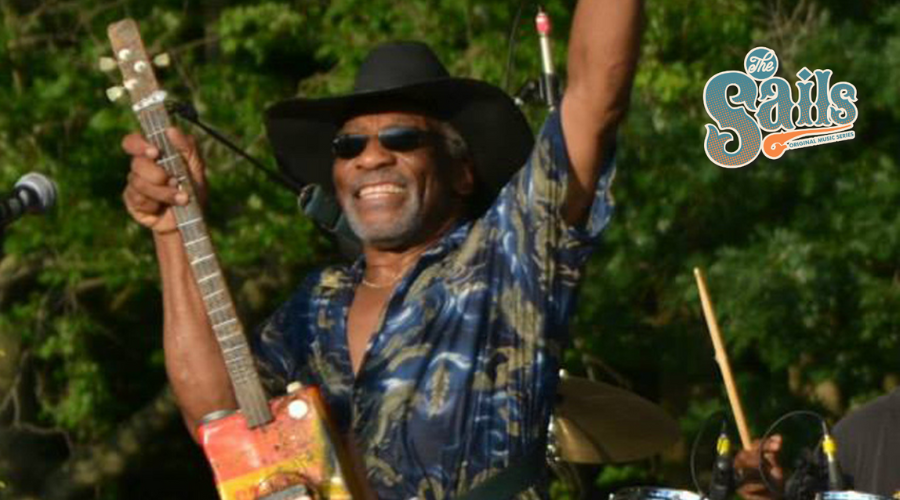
<point x="597" y="423"/>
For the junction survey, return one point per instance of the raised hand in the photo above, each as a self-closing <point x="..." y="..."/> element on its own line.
<point x="746" y="465"/>
<point x="151" y="192"/>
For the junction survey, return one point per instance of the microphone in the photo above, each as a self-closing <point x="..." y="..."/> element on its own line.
<point x="33" y="193"/>
<point x="721" y="486"/>
<point x="549" y="82"/>
<point x="829" y="448"/>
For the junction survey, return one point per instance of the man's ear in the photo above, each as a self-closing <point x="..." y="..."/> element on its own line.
<point x="464" y="180"/>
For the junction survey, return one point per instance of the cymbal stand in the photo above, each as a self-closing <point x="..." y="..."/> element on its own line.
<point x="561" y="469"/>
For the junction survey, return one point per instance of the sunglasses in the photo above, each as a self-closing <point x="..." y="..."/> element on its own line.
<point x="400" y="139"/>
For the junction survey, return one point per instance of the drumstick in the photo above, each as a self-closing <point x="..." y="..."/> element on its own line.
<point x="722" y="359"/>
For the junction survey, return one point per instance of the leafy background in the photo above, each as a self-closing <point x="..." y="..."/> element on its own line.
<point x="801" y="254"/>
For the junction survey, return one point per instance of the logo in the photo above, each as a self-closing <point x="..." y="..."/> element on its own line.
<point x="764" y="103"/>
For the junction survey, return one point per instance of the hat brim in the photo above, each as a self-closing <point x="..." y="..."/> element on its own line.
<point x="497" y="134"/>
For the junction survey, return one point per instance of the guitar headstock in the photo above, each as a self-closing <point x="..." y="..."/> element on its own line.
<point x="131" y="58"/>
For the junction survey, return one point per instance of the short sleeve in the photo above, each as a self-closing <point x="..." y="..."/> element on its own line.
<point x="541" y="251"/>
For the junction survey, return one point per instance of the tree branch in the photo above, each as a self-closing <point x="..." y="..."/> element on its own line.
<point x="90" y="466"/>
<point x="15" y="272"/>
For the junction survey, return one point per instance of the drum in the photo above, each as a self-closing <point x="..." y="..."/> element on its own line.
<point x="849" y="495"/>
<point x="648" y="493"/>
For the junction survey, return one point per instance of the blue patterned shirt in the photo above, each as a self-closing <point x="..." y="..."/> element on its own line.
<point x="461" y="377"/>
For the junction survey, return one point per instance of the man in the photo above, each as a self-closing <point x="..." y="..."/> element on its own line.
<point x="868" y="443"/>
<point x="439" y="348"/>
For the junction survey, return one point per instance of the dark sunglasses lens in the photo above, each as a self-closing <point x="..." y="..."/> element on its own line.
<point x="401" y="138"/>
<point x="349" y="145"/>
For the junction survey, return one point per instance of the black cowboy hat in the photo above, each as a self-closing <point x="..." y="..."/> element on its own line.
<point x="498" y="136"/>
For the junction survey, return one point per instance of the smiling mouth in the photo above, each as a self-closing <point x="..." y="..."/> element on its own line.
<point x="382" y="190"/>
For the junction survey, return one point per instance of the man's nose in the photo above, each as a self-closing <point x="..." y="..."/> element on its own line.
<point x="374" y="155"/>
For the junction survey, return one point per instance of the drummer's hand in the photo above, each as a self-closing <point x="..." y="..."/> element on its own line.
<point x="746" y="465"/>
<point x="151" y="192"/>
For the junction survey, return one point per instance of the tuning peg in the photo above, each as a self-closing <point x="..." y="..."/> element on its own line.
<point x="107" y="64"/>
<point x="115" y="93"/>
<point x="131" y="83"/>
<point x="124" y="55"/>
<point x="162" y="60"/>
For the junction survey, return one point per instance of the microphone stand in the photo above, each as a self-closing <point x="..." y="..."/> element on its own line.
<point x="546" y="88"/>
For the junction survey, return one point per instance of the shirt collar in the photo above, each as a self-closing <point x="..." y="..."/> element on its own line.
<point x="350" y="276"/>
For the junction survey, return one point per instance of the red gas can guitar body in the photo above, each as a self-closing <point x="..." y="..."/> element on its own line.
<point x="291" y="457"/>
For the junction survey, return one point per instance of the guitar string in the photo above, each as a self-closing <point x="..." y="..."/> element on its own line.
<point x="154" y="123"/>
<point x="245" y="380"/>
<point x="238" y="362"/>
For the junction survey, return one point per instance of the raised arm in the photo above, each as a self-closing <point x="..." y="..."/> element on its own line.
<point x="193" y="360"/>
<point x="603" y="51"/>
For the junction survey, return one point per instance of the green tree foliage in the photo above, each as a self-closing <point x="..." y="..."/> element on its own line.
<point x="801" y="252"/>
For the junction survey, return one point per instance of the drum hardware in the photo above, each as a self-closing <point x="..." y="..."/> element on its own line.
<point x="593" y="363"/>
<point x="650" y="493"/>
<point x="849" y="495"/>
<point x="563" y="470"/>
<point x="597" y="423"/>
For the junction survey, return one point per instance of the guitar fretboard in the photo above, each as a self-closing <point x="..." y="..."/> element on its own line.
<point x="208" y="275"/>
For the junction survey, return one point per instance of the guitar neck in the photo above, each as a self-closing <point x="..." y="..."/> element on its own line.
<point x="208" y="276"/>
<point x="150" y="109"/>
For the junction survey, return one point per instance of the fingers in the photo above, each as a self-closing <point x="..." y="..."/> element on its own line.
<point x="767" y="451"/>
<point x="152" y="186"/>
<point x="771" y="448"/>
<point x="747" y="463"/>
<point x="150" y="190"/>
<point x="773" y="444"/>
<point x="183" y="143"/>
<point x="136" y="145"/>
<point x="755" y="491"/>
<point x="748" y="459"/>
<point x="187" y="147"/>
<point x="139" y="205"/>
<point x="770" y="451"/>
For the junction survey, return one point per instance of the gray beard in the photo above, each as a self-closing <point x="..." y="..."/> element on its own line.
<point x="390" y="234"/>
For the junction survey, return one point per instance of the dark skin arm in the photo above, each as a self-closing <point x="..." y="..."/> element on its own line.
<point x="193" y="361"/>
<point x="603" y="52"/>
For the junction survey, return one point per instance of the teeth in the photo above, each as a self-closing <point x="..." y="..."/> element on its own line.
<point x="380" y="189"/>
